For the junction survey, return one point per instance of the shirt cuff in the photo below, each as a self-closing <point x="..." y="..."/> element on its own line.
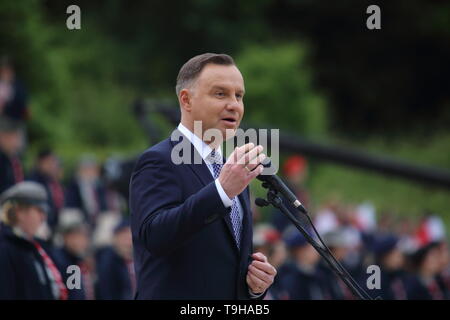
<point x="254" y="295"/>
<point x="227" y="202"/>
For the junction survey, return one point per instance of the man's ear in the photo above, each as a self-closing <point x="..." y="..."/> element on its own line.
<point x="185" y="100"/>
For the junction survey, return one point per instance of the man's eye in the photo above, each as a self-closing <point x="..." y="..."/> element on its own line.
<point x="239" y="96"/>
<point x="220" y="94"/>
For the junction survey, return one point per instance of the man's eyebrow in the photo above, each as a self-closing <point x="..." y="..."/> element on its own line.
<point x="219" y="87"/>
<point x="214" y="87"/>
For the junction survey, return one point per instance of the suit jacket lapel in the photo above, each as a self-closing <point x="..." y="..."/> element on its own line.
<point x="200" y="169"/>
<point x="203" y="173"/>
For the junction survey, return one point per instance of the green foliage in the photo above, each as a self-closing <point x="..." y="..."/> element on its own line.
<point x="279" y="89"/>
<point x="77" y="101"/>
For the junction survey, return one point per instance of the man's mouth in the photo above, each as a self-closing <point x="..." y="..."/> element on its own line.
<point x="229" y="121"/>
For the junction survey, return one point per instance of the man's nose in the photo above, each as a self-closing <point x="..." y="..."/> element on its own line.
<point x="233" y="104"/>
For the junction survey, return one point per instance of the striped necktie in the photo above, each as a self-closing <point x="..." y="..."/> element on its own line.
<point x="216" y="162"/>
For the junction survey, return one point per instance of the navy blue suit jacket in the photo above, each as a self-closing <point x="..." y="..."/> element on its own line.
<point x="183" y="240"/>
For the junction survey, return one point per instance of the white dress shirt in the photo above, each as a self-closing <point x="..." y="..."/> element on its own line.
<point x="204" y="150"/>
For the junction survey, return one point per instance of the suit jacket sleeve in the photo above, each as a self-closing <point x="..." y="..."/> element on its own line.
<point x="163" y="217"/>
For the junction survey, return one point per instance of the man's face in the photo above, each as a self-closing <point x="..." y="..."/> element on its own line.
<point x="216" y="99"/>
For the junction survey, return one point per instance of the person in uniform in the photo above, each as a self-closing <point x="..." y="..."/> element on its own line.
<point x="115" y="268"/>
<point x="391" y="261"/>
<point x="300" y="277"/>
<point x="423" y="284"/>
<point x="26" y="269"/>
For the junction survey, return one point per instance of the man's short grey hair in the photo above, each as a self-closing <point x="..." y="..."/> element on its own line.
<point x="190" y="71"/>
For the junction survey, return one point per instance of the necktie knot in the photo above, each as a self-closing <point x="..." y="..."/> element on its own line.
<point x="215" y="158"/>
<point x="216" y="161"/>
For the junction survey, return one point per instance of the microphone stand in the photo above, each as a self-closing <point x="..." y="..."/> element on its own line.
<point x="273" y="198"/>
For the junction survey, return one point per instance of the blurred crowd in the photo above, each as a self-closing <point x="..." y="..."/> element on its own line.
<point x="50" y="223"/>
<point x="410" y="255"/>
<point x="81" y="221"/>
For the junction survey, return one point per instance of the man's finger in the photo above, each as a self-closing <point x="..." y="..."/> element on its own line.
<point x="255" y="172"/>
<point x="261" y="275"/>
<point x="257" y="161"/>
<point x="240" y="151"/>
<point x="264" y="266"/>
<point x="250" y="155"/>
<point x="259" y="256"/>
<point x="255" y="283"/>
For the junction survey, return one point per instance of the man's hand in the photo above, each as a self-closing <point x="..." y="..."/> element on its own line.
<point x="260" y="274"/>
<point x="243" y="165"/>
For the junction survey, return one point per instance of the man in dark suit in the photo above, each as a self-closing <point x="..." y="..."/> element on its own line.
<point x="191" y="221"/>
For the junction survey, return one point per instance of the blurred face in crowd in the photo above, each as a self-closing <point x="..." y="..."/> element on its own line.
<point x="394" y="260"/>
<point x="215" y="98"/>
<point x="77" y="241"/>
<point x="339" y="252"/>
<point x="50" y="166"/>
<point x="278" y="254"/>
<point x="306" y="255"/>
<point x="6" y="73"/>
<point x="11" y="142"/>
<point x="29" y="219"/>
<point x="297" y="178"/>
<point x="123" y="243"/>
<point x="431" y="263"/>
<point x="89" y="172"/>
<point x="275" y="252"/>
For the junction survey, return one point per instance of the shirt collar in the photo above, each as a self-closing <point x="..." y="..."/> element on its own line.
<point x="202" y="148"/>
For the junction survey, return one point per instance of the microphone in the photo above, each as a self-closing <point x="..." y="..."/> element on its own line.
<point x="279" y="186"/>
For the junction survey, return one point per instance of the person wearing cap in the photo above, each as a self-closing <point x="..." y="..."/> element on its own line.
<point x="75" y="252"/>
<point x="423" y="283"/>
<point x="11" y="143"/>
<point x="339" y="245"/>
<point x="26" y="269"/>
<point x="300" y="276"/>
<point x="391" y="260"/>
<point x="115" y="267"/>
